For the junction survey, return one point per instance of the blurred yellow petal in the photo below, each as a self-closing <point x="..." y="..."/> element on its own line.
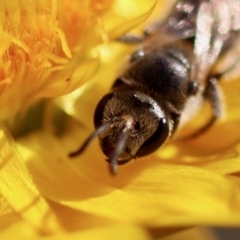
<point x="235" y="178"/>
<point x="19" y="196"/>
<point x="118" y="232"/>
<point x="193" y="234"/>
<point x="19" y="231"/>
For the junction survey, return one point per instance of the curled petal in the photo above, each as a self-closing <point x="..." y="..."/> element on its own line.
<point x="68" y="79"/>
<point x="124" y="28"/>
<point x="18" y="193"/>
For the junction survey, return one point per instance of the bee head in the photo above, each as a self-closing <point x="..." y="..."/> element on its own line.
<point x="135" y="126"/>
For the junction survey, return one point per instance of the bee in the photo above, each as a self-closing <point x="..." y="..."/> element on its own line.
<point x="172" y="72"/>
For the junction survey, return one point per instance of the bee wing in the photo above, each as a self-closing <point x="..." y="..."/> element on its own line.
<point x="215" y="22"/>
<point x="182" y="21"/>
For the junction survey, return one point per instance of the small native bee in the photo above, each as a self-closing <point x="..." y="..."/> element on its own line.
<point x="174" y="70"/>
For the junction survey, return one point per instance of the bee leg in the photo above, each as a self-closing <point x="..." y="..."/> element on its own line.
<point x="131" y="39"/>
<point x="180" y="23"/>
<point x="213" y="94"/>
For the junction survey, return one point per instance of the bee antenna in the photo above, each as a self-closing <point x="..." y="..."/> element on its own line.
<point x="98" y="131"/>
<point x="113" y="160"/>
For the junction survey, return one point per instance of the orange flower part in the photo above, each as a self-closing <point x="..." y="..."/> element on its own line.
<point x="42" y="51"/>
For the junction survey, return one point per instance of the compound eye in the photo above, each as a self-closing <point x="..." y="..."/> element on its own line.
<point x="98" y="114"/>
<point x="156" y="140"/>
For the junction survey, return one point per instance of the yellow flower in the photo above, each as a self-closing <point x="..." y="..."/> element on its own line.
<point x="43" y="49"/>
<point x="54" y="46"/>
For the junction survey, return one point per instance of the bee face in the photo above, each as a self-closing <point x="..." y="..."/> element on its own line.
<point x="134" y="115"/>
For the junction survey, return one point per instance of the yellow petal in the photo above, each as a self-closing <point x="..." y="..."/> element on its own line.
<point x="75" y="220"/>
<point x="48" y="162"/>
<point x="225" y="164"/>
<point x="170" y="196"/>
<point x="144" y="191"/>
<point x="19" y="195"/>
<point x="127" y="26"/>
